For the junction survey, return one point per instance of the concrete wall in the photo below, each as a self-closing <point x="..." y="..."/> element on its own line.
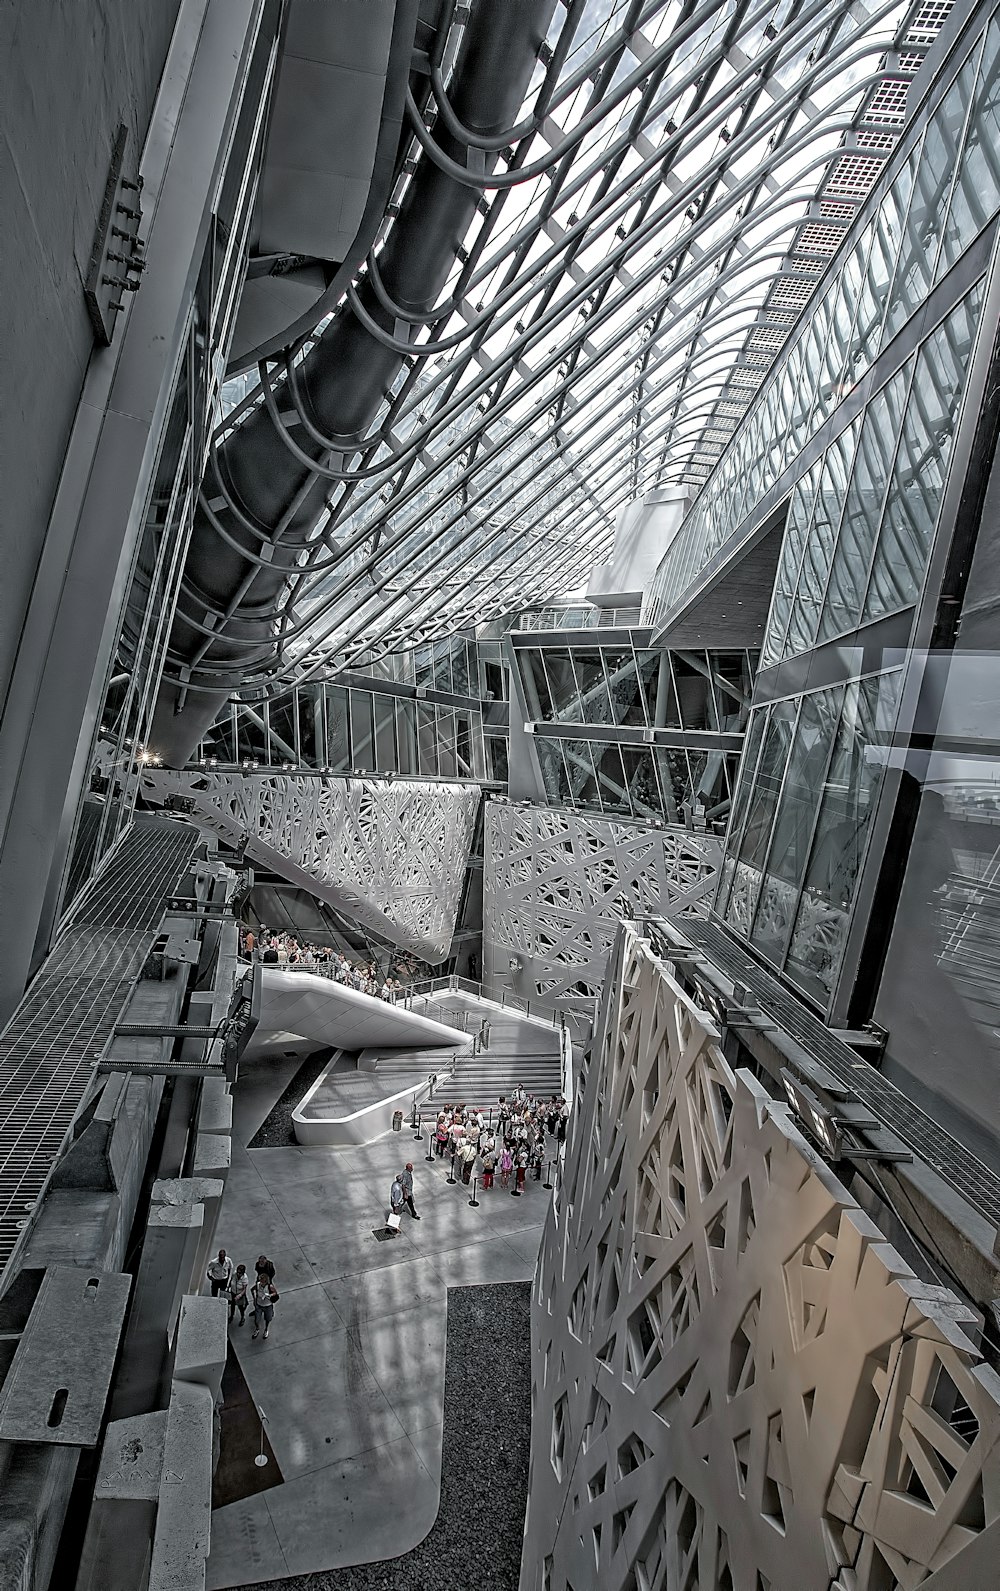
<point x="72" y="72"/>
<point x="644" y="530"/>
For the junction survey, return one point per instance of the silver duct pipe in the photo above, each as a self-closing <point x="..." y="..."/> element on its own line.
<point x="262" y="490"/>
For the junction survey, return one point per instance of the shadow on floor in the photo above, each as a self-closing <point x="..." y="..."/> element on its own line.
<point x="237" y="1476"/>
<point x="476" y="1537"/>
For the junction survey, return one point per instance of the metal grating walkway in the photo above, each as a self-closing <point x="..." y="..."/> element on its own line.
<point x="48" y="1048"/>
<point x="949" y="1158"/>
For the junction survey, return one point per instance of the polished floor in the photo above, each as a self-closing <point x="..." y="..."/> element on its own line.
<point x="351" y="1378"/>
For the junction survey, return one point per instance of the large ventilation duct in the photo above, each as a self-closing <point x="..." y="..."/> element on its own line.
<point x="259" y="503"/>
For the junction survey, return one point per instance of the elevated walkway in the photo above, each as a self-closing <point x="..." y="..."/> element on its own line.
<point x="330" y="1013"/>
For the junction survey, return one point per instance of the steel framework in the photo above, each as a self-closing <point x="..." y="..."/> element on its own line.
<point x="639" y="242"/>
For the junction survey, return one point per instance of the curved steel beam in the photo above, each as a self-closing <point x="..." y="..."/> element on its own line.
<point x="348" y="373"/>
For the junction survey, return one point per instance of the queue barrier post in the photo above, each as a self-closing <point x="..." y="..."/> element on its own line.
<point x="430" y="1138"/>
<point x="451" y="1177"/>
<point x="474" y="1201"/>
<point x="548" y="1175"/>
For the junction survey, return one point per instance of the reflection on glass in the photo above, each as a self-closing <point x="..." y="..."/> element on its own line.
<point x="793" y="823"/>
<point x="563" y="691"/>
<point x="977" y="186"/>
<point x="848" y="799"/>
<point x="760" y="814"/>
<point x="863" y="509"/>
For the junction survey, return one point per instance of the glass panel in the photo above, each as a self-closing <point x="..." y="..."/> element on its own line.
<point x="406" y="736"/>
<point x="879" y="271"/>
<point x="925" y="220"/>
<point x="593" y="687"/>
<point x="977" y="188"/>
<point x="648" y="669"/>
<point x="921" y="466"/>
<point x="863" y="509"/>
<point x="447" y="765"/>
<point x="536" y="685"/>
<point x="362" y="732"/>
<point x="623" y="685"/>
<point x="610" y="790"/>
<point x="281" y="718"/>
<point x="838" y="340"/>
<point x="796" y="532"/>
<point x="760" y="813"/>
<point x="640" y="776"/>
<point x="385" y="737"/>
<point x="553" y="769"/>
<point x="848" y="800"/>
<point x="427" y="757"/>
<point x="562" y="685"/>
<point x="793" y="824"/>
<point x="694" y="694"/>
<point x="585" y="787"/>
<point x="818" y="551"/>
<point x="496" y="753"/>
<point x="338" y="747"/>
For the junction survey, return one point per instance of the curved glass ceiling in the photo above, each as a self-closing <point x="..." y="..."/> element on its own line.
<point x="642" y="246"/>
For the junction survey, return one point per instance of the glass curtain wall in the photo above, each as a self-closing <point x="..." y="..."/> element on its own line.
<point x="341" y="729"/>
<point x="808" y="785"/>
<point x="946" y="191"/>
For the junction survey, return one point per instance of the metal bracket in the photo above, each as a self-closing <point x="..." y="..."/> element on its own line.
<point x="116" y="259"/>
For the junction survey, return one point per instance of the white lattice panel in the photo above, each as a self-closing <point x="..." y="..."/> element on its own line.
<point x="557" y="883"/>
<point x="738" y="1383"/>
<point x="389" y="854"/>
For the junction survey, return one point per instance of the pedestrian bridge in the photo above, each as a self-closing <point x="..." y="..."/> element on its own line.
<point x="329" y="1013"/>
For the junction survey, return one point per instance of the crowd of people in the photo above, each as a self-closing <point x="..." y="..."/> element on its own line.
<point x="509" y="1141"/>
<point x="500" y="1147"/>
<point x="234" y="1282"/>
<point x="284" y="950"/>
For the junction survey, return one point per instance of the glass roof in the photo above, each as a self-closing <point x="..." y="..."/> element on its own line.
<point x="643" y="245"/>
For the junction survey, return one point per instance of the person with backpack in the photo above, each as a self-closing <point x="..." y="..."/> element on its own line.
<point x="489" y="1165"/>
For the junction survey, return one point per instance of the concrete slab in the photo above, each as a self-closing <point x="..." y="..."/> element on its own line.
<point x="57" y="1385"/>
<point x="492" y="1261"/>
<point x="132" y="1458"/>
<point x="400" y="1288"/>
<point x="301" y="1313"/>
<point x="322" y="1401"/>
<point x="183" y="1519"/>
<point x="360" y="1511"/>
<point x="245" y="1545"/>
<point x="200" y="1351"/>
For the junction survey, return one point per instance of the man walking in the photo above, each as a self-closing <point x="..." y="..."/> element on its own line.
<point x="406" y="1180"/>
<point x="219" y="1272"/>
<point x="396" y="1200"/>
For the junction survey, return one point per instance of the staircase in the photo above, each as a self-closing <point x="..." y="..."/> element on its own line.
<point x="519" y="1051"/>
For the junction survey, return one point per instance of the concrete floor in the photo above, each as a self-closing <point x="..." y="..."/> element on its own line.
<point x="352" y="1375"/>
